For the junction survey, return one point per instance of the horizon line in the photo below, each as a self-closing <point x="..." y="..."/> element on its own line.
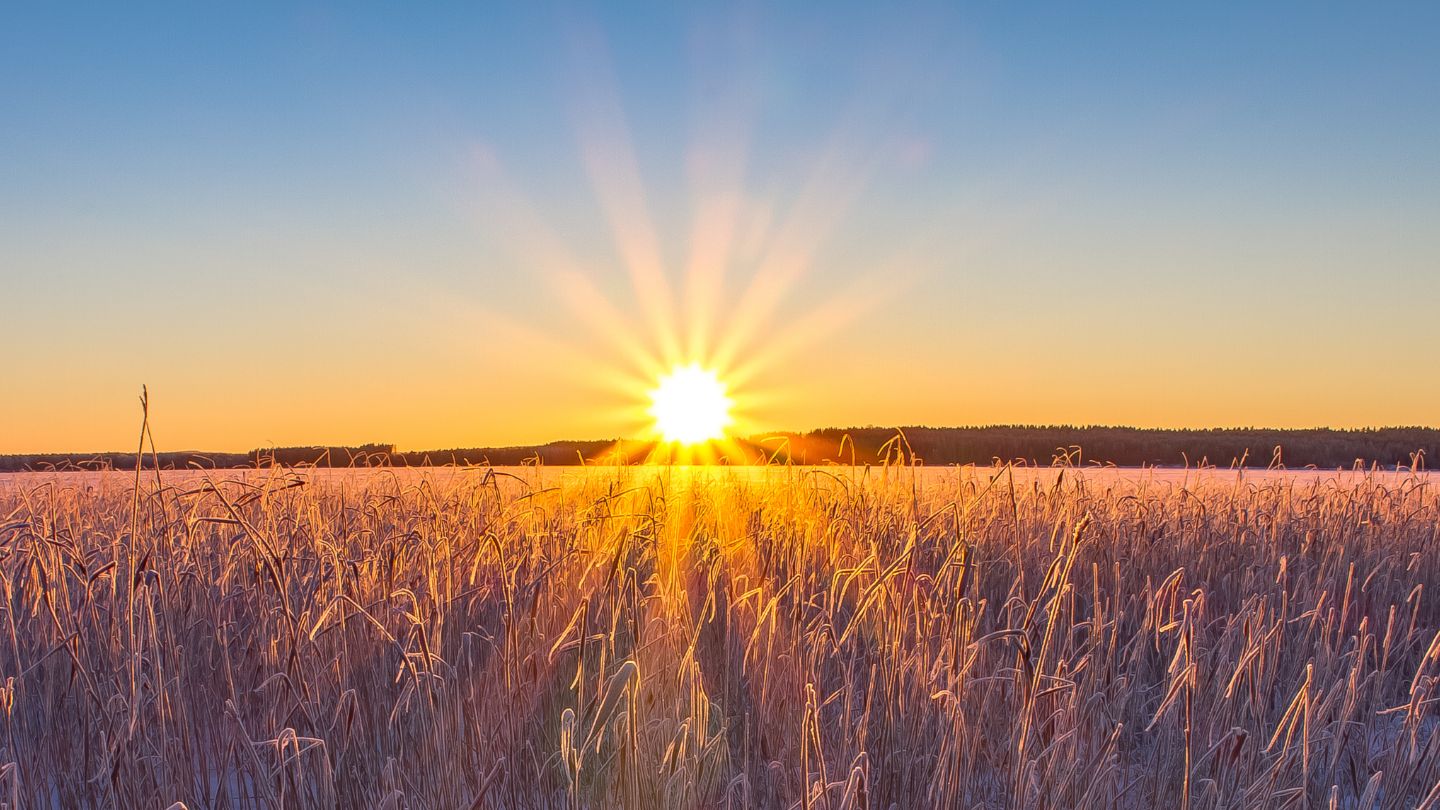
<point x="395" y="448"/>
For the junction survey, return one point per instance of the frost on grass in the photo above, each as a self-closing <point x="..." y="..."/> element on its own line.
<point x="642" y="637"/>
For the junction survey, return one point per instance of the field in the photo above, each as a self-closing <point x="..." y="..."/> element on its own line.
<point x="775" y="637"/>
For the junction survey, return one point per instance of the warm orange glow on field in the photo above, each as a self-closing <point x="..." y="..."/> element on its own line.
<point x="691" y="406"/>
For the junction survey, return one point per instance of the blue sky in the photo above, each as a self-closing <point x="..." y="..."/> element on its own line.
<point x="290" y="221"/>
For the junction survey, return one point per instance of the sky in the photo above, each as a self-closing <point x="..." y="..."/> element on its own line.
<point x="490" y="224"/>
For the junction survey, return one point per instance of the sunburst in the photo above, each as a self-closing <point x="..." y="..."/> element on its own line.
<point x="691" y="406"/>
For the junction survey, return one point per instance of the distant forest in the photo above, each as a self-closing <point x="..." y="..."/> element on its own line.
<point x="1121" y="446"/>
<point x="1408" y="447"/>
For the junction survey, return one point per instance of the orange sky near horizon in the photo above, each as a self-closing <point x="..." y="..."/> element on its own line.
<point x="484" y="404"/>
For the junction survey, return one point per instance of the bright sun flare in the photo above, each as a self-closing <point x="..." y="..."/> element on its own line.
<point x="690" y="406"/>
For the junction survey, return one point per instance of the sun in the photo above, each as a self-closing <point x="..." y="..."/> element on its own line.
<point x="690" y="405"/>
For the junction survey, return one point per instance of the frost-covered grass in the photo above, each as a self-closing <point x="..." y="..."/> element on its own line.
<point x="786" y="637"/>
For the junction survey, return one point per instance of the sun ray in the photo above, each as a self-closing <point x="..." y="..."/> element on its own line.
<point x="532" y="242"/>
<point x="837" y="178"/>
<point x="734" y="338"/>
<point x="715" y="165"/>
<point x="819" y="321"/>
<point x="609" y="158"/>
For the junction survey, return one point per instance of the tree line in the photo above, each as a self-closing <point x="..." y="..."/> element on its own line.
<point x="1039" y="445"/>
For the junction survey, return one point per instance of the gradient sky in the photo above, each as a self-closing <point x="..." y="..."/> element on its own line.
<point x="461" y="226"/>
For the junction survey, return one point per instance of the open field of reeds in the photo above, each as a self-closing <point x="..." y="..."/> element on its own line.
<point x="786" y="637"/>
